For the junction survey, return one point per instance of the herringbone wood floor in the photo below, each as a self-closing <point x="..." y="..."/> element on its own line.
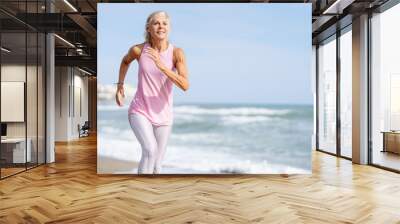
<point x="70" y="191"/>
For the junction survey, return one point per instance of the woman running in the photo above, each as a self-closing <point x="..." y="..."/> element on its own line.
<point x="151" y="110"/>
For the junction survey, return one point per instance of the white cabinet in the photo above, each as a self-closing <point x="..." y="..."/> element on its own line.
<point x="17" y="148"/>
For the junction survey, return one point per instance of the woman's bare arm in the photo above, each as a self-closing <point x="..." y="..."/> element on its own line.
<point x="182" y="79"/>
<point x="133" y="53"/>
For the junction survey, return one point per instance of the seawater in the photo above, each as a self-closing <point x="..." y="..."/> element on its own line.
<point x="220" y="138"/>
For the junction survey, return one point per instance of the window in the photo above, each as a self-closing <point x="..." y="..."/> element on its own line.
<point x="385" y="89"/>
<point x="23" y="76"/>
<point x="327" y="95"/>
<point x="346" y="92"/>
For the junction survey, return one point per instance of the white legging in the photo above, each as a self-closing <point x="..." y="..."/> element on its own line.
<point x="153" y="140"/>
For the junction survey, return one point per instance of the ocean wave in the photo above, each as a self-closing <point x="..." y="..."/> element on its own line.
<point x="244" y="119"/>
<point x="190" y="112"/>
<point x="183" y="118"/>
<point x="110" y="132"/>
<point x="197" y="137"/>
<point x="115" y="156"/>
<point x="189" y="159"/>
<point x="245" y="167"/>
<point x="119" y="148"/>
<point x="202" y="161"/>
<point x="230" y="111"/>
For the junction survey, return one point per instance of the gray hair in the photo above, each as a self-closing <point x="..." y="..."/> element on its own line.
<point x="148" y="22"/>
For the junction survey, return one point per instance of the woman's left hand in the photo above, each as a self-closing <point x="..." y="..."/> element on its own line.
<point x="155" y="56"/>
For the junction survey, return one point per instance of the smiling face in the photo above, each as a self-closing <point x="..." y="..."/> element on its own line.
<point x="159" y="27"/>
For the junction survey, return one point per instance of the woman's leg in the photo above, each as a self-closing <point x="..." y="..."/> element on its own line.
<point x="143" y="130"/>
<point x="162" y="135"/>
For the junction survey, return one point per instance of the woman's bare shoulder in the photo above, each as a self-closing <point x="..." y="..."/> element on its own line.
<point x="136" y="49"/>
<point x="178" y="53"/>
<point x="178" y="50"/>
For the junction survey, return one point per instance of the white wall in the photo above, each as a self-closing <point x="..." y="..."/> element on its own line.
<point x="70" y="83"/>
<point x="15" y="72"/>
<point x="34" y="124"/>
<point x="80" y="84"/>
<point x="62" y="81"/>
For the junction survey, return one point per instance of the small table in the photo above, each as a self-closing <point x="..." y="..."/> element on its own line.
<point x="391" y="141"/>
<point x="13" y="150"/>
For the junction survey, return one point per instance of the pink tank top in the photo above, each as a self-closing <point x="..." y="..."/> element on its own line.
<point x="154" y="96"/>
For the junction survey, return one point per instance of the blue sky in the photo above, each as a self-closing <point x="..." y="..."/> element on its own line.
<point x="245" y="53"/>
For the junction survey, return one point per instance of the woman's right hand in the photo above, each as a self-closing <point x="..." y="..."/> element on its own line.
<point x="119" y="95"/>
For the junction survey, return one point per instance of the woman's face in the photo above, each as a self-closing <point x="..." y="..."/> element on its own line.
<point x="159" y="27"/>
